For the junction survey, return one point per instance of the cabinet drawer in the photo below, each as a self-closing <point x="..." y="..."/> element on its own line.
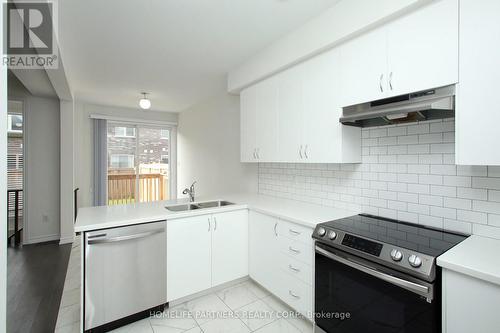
<point x="297" y="250"/>
<point x="297" y="294"/>
<point x="296" y="268"/>
<point x="295" y="232"/>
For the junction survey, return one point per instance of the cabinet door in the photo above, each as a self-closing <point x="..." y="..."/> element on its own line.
<point x="290" y="110"/>
<point x="469" y="304"/>
<point x="321" y="113"/>
<point x="478" y="110"/>
<point x="364" y="68"/>
<point x="248" y="118"/>
<point x="264" y="250"/>
<point x="229" y="246"/>
<point x="188" y="256"/>
<point x="267" y="120"/>
<point x="423" y="49"/>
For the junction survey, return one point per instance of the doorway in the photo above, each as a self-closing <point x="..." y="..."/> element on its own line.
<point x="15" y="171"/>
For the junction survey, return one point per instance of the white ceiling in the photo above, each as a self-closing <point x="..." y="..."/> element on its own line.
<point x="178" y="50"/>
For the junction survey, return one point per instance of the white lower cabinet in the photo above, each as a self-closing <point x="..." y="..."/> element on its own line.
<point x="469" y="304"/>
<point x="229" y="246"/>
<point x="205" y="251"/>
<point x="280" y="259"/>
<point x="188" y="256"/>
<point x="263" y="249"/>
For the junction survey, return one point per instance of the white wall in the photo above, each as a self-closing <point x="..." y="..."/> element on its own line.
<point x="67" y="171"/>
<point x="3" y="186"/>
<point x="41" y="163"/>
<point x="209" y="149"/>
<point x="84" y="155"/>
<point x="337" y="24"/>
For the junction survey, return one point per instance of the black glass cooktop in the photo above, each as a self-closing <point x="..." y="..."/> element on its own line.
<point x="430" y="241"/>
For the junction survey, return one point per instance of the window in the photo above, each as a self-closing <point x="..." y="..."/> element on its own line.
<point x="164" y="134"/>
<point x="14" y="123"/>
<point x="139" y="163"/>
<point x="124" y="132"/>
<point x="121" y="161"/>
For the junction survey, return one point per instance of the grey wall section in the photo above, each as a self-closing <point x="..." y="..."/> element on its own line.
<point x="84" y="144"/>
<point x="42" y="164"/>
<point x="3" y="186"/>
<point x="209" y="149"/>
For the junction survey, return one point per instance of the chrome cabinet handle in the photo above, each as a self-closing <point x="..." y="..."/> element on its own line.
<point x="275" y="226"/>
<point x="300" y="152"/>
<point x="209" y="224"/>
<point x="255" y="153"/>
<point x="258" y="153"/>
<point x="294" y="269"/>
<point x="390" y="80"/>
<point x="294" y="232"/>
<point x="380" y="82"/>
<point x="305" y="151"/>
<point x="293" y="250"/>
<point x="215" y="224"/>
<point x="293" y="295"/>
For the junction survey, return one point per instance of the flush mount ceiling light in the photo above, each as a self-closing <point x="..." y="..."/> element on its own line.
<point x="144" y="102"/>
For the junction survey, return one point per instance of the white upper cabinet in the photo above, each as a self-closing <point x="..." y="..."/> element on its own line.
<point x="297" y="117"/>
<point x="415" y="52"/>
<point x="364" y="68"/>
<point x="423" y="49"/>
<point x="325" y="139"/>
<point x="290" y="110"/>
<point x="477" y="109"/>
<point x="248" y="124"/>
<point x="267" y="120"/>
<point x="259" y="122"/>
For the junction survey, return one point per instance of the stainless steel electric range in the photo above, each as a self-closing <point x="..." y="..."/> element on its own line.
<point x="378" y="275"/>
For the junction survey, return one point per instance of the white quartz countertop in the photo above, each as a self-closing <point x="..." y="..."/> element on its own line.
<point x="94" y="218"/>
<point x="476" y="256"/>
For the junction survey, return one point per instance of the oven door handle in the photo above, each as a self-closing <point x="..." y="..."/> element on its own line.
<point x="408" y="285"/>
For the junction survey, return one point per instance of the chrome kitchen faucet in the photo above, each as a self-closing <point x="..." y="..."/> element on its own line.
<point x="190" y="191"/>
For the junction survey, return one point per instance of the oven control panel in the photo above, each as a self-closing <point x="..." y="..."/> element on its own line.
<point x="362" y="244"/>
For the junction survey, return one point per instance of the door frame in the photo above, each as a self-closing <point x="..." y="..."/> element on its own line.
<point x="24" y="101"/>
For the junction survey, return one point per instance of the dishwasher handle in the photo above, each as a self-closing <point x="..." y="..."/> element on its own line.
<point x="125" y="238"/>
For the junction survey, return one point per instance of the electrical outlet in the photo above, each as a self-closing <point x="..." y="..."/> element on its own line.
<point x="45" y="218"/>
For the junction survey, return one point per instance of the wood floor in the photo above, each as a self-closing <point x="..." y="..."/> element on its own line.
<point x="35" y="281"/>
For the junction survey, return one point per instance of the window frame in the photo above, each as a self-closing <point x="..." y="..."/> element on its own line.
<point x="124" y="135"/>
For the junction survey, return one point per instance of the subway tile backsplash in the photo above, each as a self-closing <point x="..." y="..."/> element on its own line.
<point x="407" y="173"/>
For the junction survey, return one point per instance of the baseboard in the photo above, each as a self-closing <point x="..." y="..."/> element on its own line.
<point x="67" y="240"/>
<point x="41" y="239"/>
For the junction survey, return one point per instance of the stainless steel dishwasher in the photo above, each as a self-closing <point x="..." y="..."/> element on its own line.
<point x="125" y="274"/>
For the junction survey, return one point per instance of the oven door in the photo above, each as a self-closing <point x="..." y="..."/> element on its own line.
<point x="354" y="295"/>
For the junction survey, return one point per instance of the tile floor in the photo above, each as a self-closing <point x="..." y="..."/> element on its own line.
<point x="241" y="308"/>
<point x="68" y="319"/>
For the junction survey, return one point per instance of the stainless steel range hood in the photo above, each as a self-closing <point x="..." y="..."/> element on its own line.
<point x="430" y="104"/>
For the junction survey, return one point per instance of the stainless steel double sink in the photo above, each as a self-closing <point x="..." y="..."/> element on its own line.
<point x="198" y="205"/>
